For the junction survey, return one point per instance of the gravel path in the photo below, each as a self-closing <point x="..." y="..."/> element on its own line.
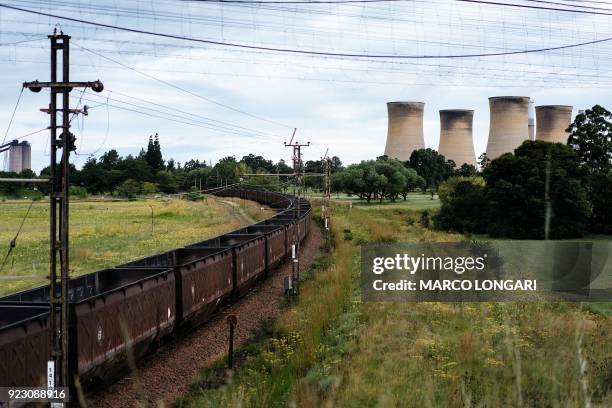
<point x="161" y="378"/>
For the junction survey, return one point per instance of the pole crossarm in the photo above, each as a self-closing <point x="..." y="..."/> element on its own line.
<point x="36" y="86"/>
<point x="284" y="174"/>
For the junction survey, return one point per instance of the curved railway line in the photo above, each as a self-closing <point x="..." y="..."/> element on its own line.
<point x="120" y="314"/>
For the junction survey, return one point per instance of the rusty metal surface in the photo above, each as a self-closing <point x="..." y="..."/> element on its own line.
<point x="277" y="247"/>
<point x="129" y="317"/>
<point x="250" y="260"/>
<point x="123" y="310"/>
<point x="206" y="284"/>
<point x="24" y="345"/>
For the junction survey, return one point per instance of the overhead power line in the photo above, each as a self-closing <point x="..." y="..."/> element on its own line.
<point x="178" y="87"/>
<point x="314" y="2"/>
<point x="312" y="52"/>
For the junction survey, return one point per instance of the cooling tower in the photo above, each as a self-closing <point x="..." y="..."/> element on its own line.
<point x="552" y="121"/>
<point x="509" y="124"/>
<point x="26" y="156"/>
<point x="15" y="157"/>
<point x="405" y="129"/>
<point x="456" y="136"/>
<point x="531" y="122"/>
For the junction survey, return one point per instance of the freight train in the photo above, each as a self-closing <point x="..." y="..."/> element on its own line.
<point x="134" y="307"/>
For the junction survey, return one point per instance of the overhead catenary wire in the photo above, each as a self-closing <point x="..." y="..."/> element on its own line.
<point x="197" y="95"/>
<point x="309" y="52"/>
<point x="13" y="242"/>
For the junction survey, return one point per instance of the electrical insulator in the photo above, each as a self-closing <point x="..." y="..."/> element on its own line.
<point x="97" y="86"/>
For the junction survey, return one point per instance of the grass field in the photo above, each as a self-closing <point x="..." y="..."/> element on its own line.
<point x="106" y="233"/>
<point x="414" y="201"/>
<point x="332" y="349"/>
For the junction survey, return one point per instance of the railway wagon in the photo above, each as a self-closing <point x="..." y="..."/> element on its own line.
<point x="112" y="312"/>
<point x="287" y="223"/>
<point x="24" y="345"/>
<point x="249" y="254"/>
<point x="138" y="305"/>
<point x="203" y="278"/>
<point x="275" y="236"/>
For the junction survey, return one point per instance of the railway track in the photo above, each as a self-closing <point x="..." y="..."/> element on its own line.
<point x="121" y="314"/>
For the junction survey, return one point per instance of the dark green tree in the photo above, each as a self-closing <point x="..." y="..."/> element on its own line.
<point x="516" y="192"/>
<point x="94" y="177"/>
<point x="432" y="166"/>
<point x="110" y="160"/>
<point x="258" y="163"/>
<point x="466" y="170"/>
<point x="464" y="207"/>
<point x="590" y="135"/>
<point x="166" y="182"/>
<point x="601" y="197"/>
<point x="136" y="168"/>
<point x="153" y="155"/>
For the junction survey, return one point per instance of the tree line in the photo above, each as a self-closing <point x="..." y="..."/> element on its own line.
<point x="541" y="190"/>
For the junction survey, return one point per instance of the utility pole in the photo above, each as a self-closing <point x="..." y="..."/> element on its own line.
<point x="298" y="175"/>
<point x="58" y="370"/>
<point x="326" y="213"/>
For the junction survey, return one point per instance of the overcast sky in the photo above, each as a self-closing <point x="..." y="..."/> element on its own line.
<point x="254" y="99"/>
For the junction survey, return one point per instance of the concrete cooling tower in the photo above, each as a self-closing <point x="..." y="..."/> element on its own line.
<point x="15" y="157"/>
<point x="405" y="129"/>
<point x="531" y="122"/>
<point x="456" y="136"/>
<point x="509" y="124"/>
<point x="552" y="121"/>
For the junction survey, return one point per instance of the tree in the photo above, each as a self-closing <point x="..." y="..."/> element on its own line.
<point x="258" y="163"/>
<point x="432" y="166"/>
<point x="94" y="177"/>
<point x="110" y="160"/>
<point x="129" y="188"/>
<point x="463" y="205"/>
<point x="466" y="170"/>
<point x="516" y="186"/>
<point x="136" y="168"/>
<point x="601" y="196"/>
<point x="590" y="135"/>
<point x="153" y="155"/>
<point x="362" y="180"/>
<point x="394" y="179"/>
<point x="413" y="182"/>
<point x="166" y="182"/>
<point x="282" y="167"/>
<point x="226" y="169"/>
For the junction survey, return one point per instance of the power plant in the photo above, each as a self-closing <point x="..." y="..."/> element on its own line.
<point x="456" y="136"/>
<point x="20" y="155"/>
<point x="405" y="129"/>
<point x="552" y="122"/>
<point x="513" y="119"/>
<point x="509" y="124"/>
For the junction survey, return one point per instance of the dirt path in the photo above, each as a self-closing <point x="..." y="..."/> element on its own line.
<point x="235" y="210"/>
<point x="164" y="377"/>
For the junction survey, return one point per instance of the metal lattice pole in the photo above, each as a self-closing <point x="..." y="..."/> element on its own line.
<point x="298" y="176"/>
<point x="58" y="370"/>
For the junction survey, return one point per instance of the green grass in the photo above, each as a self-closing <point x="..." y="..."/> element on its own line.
<point x="335" y="350"/>
<point x="414" y="201"/>
<point x="106" y="233"/>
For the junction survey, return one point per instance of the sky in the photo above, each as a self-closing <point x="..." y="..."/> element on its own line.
<point x="233" y="101"/>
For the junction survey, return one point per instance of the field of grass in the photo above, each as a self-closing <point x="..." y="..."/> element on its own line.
<point x="332" y="349"/>
<point x="107" y="233"/>
<point x="414" y="201"/>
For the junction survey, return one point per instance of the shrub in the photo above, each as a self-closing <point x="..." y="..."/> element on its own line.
<point x="78" y="191"/>
<point x="129" y="188"/>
